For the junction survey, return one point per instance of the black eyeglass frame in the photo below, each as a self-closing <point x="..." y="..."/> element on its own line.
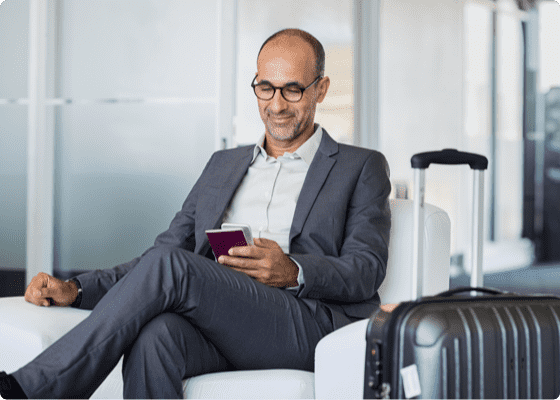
<point x="254" y="86"/>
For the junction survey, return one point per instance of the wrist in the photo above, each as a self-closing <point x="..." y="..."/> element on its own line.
<point x="294" y="282"/>
<point x="77" y="291"/>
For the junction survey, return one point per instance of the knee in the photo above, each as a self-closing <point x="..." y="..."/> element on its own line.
<point x="163" y="252"/>
<point x="157" y="340"/>
<point x="167" y="259"/>
<point x="155" y="360"/>
<point x="158" y="331"/>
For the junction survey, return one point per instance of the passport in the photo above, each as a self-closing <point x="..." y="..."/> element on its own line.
<point x="222" y="240"/>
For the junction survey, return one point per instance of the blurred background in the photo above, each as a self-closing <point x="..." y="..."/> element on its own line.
<point x="109" y="110"/>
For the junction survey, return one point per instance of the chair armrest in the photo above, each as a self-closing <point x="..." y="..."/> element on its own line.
<point x="26" y="329"/>
<point x="340" y="363"/>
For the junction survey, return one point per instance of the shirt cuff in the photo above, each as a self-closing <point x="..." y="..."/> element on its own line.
<point x="300" y="278"/>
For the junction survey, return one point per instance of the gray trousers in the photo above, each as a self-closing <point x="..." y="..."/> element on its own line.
<point x="176" y="315"/>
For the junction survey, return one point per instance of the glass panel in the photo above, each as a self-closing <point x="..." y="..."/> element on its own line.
<point x="13" y="183"/>
<point x="123" y="169"/>
<point x="478" y="104"/>
<point x="331" y="23"/>
<point x="548" y="177"/>
<point x="509" y="133"/>
<point x="14" y="23"/>
<point x="14" y="26"/>
<point x="138" y="48"/>
<point x="122" y="173"/>
<point x="549" y="41"/>
<point x="421" y="93"/>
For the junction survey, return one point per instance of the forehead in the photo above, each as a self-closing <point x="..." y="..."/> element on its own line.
<point x="285" y="60"/>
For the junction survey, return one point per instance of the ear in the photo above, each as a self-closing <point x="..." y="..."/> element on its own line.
<point x="323" y="88"/>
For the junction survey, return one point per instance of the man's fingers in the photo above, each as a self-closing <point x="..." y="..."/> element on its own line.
<point x="246" y="265"/>
<point x="389" y="307"/>
<point x="39" y="281"/>
<point x="42" y="297"/>
<point x="262" y="242"/>
<point x="41" y="290"/>
<point x="48" y="292"/>
<point x="33" y="291"/>
<point x="250" y="251"/>
<point x="249" y="272"/>
<point x="254" y="251"/>
<point x="236" y="261"/>
<point x="36" y="297"/>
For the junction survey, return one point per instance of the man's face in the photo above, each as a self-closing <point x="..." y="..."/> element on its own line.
<point x="281" y="64"/>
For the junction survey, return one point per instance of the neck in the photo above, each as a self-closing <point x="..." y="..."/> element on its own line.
<point x="276" y="148"/>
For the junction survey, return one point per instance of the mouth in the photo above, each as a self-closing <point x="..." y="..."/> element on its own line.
<point x="280" y="119"/>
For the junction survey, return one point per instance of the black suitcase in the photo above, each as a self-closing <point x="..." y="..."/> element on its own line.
<point x="499" y="345"/>
<point x="459" y="344"/>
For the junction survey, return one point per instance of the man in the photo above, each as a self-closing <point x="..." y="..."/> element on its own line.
<point x="320" y="215"/>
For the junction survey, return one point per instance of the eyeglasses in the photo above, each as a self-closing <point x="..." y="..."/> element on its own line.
<point x="292" y="92"/>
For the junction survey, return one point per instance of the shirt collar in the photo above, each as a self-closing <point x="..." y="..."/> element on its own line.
<point x="306" y="151"/>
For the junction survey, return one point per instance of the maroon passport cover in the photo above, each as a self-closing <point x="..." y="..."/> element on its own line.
<point x="222" y="241"/>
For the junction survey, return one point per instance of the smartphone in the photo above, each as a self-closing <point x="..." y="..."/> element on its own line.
<point x="245" y="228"/>
<point x="231" y="235"/>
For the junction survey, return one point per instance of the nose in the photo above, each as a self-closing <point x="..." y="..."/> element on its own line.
<point x="278" y="103"/>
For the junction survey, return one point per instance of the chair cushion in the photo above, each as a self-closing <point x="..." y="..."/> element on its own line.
<point x="261" y="384"/>
<point x="26" y="330"/>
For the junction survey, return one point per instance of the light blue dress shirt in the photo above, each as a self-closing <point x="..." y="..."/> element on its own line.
<point x="266" y="198"/>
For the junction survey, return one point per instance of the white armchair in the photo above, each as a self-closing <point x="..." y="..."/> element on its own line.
<point x="26" y="330"/>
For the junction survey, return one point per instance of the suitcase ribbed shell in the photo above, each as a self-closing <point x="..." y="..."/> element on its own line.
<point x="502" y="346"/>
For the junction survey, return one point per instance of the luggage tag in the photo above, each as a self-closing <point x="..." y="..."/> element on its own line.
<point x="411" y="381"/>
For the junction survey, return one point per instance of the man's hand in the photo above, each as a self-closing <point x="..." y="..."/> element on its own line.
<point x="264" y="261"/>
<point x="45" y="290"/>
<point x="389" y="307"/>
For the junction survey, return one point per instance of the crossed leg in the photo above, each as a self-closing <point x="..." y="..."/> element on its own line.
<point x="167" y="349"/>
<point x="244" y="324"/>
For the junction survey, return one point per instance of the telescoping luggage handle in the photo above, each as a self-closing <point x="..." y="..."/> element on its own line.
<point x="463" y="289"/>
<point x="420" y="162"/>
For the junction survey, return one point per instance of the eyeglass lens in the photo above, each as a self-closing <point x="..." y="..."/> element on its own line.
<point x="290" y="93"/>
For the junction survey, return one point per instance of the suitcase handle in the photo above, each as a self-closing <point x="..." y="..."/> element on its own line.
<point x="453" y="292"/>
<point x="449" y="157"/>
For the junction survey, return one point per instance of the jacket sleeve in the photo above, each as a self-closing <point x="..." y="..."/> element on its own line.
<point x="358" y="222"/>
<point x="181" y="233"/>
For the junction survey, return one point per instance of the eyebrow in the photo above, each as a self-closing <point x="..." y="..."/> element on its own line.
<point x="291" y="83"/>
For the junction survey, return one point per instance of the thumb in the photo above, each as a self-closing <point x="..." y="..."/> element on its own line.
<point x="42" y="296"/>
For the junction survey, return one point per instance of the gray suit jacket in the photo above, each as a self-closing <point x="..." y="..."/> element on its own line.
<point x="339" y="233"/>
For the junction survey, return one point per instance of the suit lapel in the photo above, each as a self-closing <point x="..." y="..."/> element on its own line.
<point x="316" y="176"/>
<point x="238" y="167"/>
